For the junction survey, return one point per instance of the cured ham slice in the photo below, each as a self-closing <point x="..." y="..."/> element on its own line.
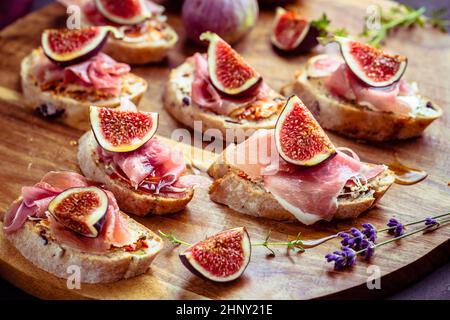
<point x="341" y="81"/>
<point x="101" y="73"/>
<point x="310" y="194"/>
<point x="207" y="96"/>
<point x="154" y="159"/>
<point x="34" y="204"/>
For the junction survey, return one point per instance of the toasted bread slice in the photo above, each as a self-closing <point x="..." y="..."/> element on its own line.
<point x="154" y="48"/>
<point x="233" y="189"/>
<point x="178" y="102"/>
<point x="129" y="199"/>
<point x="71" y="107"/>
<point x="353" y="120"/>
<point x="35" y="242"/>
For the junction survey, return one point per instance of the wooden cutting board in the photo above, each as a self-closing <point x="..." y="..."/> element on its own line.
<point x="30" y="147"/>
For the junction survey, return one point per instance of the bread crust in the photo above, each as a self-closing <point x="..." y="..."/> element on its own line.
<point x="137" y="53"/>
<point x="346" y="118"/>
<point x="55" y="258"/>
<point x="129" y="200"/>
<point x="249" y="197"/>
<point x="75" y="112"/>
<point x="178" y="91"/>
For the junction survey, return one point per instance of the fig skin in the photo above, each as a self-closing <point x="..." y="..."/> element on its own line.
<point x="250" y="83"/>
<point x="317" y="155"/>
<point x="308" y="43"/>
<point x="98" y="47"/>
<point x="93" y="227"/>
<point x="247" y="256"/>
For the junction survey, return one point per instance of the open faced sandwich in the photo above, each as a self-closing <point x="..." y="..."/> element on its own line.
<point x="66" y="220"/>
<point x="363" y="94"/>
<point x="294" y="172"/>
<point x="145" y="174"/>
<point x="222" y="91"/>
<point x="69" y="73"/>
<point x="146" y="35"/>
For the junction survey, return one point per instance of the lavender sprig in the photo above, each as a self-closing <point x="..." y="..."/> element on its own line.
<point x="395" y="227"/>
<point x="339" y="257"/>
<point x="342" y="259"/>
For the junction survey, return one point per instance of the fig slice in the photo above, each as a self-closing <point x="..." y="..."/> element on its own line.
<point x="292" y="33"/>
<point x="125" y="12"/>
<point x="81" y="210"/>
<point x="222" y="257"/>
<point x="65" y="47"/>
<point x="371" y="65"/>
<point x="299" y="138"/>
<point x="229" y="72"/>
<point x="118" y="130"/>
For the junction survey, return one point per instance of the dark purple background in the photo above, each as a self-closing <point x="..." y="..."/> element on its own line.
<point x="434" y="286"/>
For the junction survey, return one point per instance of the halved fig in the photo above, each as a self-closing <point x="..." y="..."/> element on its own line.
<point x="65" y="46"/>
<point x="81" y="210"/>
<point x="229" y="72"/>
<point x="119" y="130"/>
<point x="293" y="33"/>
<point x="371" y="65"/>
<point x="125" y="12"/>
<point x="220" y="258"/>
<point x="299" y="138"/>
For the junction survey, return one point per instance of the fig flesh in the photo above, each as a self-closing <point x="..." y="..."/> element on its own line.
<point x="65" y="47"/>
<point x="291" y="33"/>
<point x="81" y="210"/>
<point x="119" y="130"/>
<point x="299" y="138"/>
<point x="220" y="258"/>
<point x="229" y="72"/>
<point x="371" y="65"/>
<point x="124" y="12"/>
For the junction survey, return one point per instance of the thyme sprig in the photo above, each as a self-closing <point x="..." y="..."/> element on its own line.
<point x="295" y="245"/>
<point x="174" y="239"/>
<point x="401" y="16"/>
<point x="323" y="25"/>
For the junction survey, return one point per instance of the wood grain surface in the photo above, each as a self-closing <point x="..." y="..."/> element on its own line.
<point x="30" y="147"/>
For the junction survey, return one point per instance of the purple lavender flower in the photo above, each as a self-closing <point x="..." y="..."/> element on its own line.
<point x="397" y="229"/>
<point x="369" y="248"/>
<point x="342" y="259"/>
<point x="430" y="221"/>
<point x="370" y="232"/>
<point x="352" y="239"/>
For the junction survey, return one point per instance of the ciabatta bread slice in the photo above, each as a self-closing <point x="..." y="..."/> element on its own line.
<point x="178" y="102"/>
<point x="151" y="46"/>
<point x="232" y="188"/>
<point x="129" y="199"/>
<point x="154" y="48"/>
<point x="71" y="107"/>
<point x="36" y="243"/>
<point x="350" y="119"/>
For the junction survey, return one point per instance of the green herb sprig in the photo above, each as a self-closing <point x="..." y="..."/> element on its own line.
<point x="401" y="16"/>
<point x="295" y="245"/>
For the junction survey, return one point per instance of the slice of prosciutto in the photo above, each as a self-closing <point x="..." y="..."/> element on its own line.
<point x="34" y="204"/>
<point x="310" y="194"/>
<point x="154" y="159"/>
<point x="205" y="95"/>
<point x="340" y="80"/>
<point x="157" y="165"/>
<point x="100" y="72"/>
